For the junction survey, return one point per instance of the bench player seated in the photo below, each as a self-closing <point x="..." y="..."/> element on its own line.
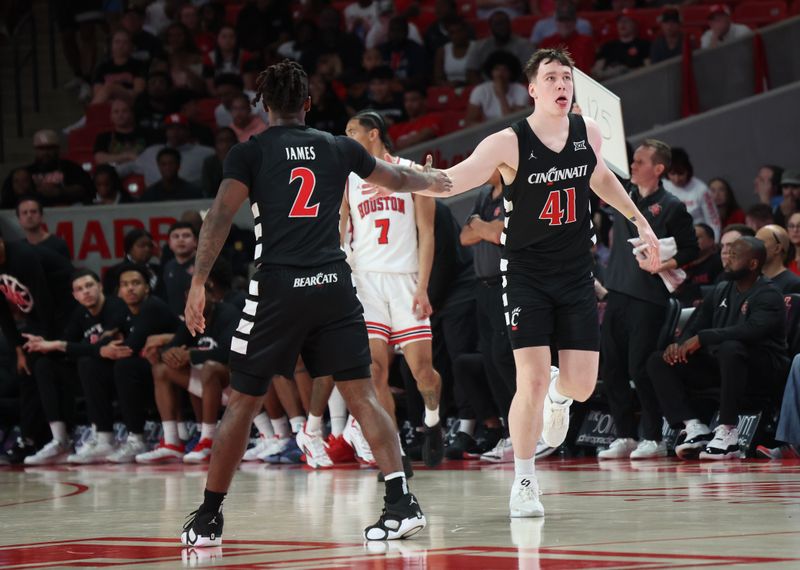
<point x="197" y="365"/>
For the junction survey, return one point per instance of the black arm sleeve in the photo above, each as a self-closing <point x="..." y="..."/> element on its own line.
<point x="242" y="162"/>
<point x="355" y="156"/>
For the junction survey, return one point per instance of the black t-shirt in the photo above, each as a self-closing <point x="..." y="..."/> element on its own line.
<point x="58" y="270"/>
<point x="154" y="317"/>
<point x="61" y="173"/>
<point x="25" y="288"/>
<point x="787" y="282"/>
<point x="296" y="176"/>
<point x="149" y="117"/>
<point x="84" y="331"/>
<point x="146" y="47"/>
<point x="113" y="142"/>
<point x="109" y="72"/>
<point x="181" y="191"/>
<point x="214" y="343"/>
<point x="55" y="243"/>
<point x="630" y="54"/>
<point x="547" y="205"/>
<point x="177" y="280"/>
<point x="452" y="277"/>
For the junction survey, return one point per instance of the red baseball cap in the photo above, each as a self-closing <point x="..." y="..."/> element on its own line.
<point x="176" y="119"/>
<point x="715" y="9"/>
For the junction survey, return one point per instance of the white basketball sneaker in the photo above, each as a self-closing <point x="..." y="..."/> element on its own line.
<point x="53" y="453"/>
<point x="503" y="452"/>
<point x="620" y="448"/>
<point x="649" y="449"/>
<point x="524" y="501"/>
<point x="91" y="452"/>
<point x="355" y="438"/>
<point x="555" y="416"/>
<point x="253" y="453"/>
<point x="313" y="447"/>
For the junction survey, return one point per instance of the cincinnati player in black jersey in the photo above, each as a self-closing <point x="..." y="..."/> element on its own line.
<point x="548" y="162"/>
<point x="301" y="300"/>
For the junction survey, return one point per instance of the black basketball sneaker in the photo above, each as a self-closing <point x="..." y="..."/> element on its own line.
<point x="203" y="529"/>
<point x="433" y="446"/>
<point x="402" y="519"/>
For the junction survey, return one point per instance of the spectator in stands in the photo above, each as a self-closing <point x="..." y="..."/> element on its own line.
<point x="381" y="98"/>
<point x="157" y="16"/>
<point x="185" y="60"/>
<point x="178" y="270"/>
<point x="151" y="105"/>
<point x="19" y="183"/>
<point x="244" y="123"/>
<point x="511" y="8"/>
<point x="776" y="242"/>
<point x="729" y="235"/>
<point x="146" y="47"/>
<point x="139" y="248"/>
<point x="720" y="28"/>
<point x="793" y="227"/>
<point x="548" y="26"/>
<point x="327" y="110"/>
<point x="406" y="58"/>
<point x="704" y="270"/>
<point x="190" y="18"/>
<point x="450" y="65"/>
<point x="30" y="214"/>
<point x="790" y="190"/>
<point x="185" y="102"/>
<point x="77" y="22"/>
<point x="262" y="23"/>
<point x="108" y="186"/>
<point x="226" y="57"/>
<point x="728" y="207"/>
<point x="624" y="54"/>
<point x="500" y="95"/>
<point x="371" y="59"/>
<point x="57" y="181"/>
<point x="360" y="16"/>
<point x="212" y="165"/>
<point x="178" y="137"/>
<point x="120" y="75"/>
<point x="125" y="142"/>
<point x="357" y="95"/>
<point x="581" y="47"/>
<point x="439" y="33"/>
<point x="305" y="34"/>
<point x="226" y="87"/>
<point x="737" y="342"/>
<point x="670" y="42"/>
<point x="767" y="185"/>
<point x="758" y="216"/>
<point x="379" y="33"/>
<point x="421" y="126"/>
<point x="501" y="38"/>
<point x="692" y="191"/>
<point x="332" y="39"/>
<point x="212" y="17"/>
<point x="170" y="186"/>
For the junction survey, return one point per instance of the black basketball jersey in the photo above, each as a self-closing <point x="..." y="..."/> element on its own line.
<point x="296" y="176"/>
<point x="548" y="217"/>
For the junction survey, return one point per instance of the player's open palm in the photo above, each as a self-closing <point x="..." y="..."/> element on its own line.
<point x="193" y="314"/>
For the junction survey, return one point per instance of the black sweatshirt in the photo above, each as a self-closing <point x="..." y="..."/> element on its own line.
<point x="215" y="343"/>
<point x="756" y="317"/>
<point x="84" y="331"/>
<point x="668" y="217"/>
<point x="154" y="317"/>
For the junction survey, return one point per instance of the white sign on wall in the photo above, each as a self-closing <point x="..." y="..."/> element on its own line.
<point x="605" y="108"/>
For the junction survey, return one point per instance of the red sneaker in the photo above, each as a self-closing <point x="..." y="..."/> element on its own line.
<point x="201" y="452"/>
<point x="339" y="451"/>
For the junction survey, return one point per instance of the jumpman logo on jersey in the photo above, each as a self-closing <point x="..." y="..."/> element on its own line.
<point x="724" y="303"/>
<point x="532" y="156"/>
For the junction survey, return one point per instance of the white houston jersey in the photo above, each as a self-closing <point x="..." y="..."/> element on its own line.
<point x="384" y="230"/>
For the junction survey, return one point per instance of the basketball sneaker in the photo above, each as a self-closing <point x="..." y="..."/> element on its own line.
<point x="524" y="501"/>
<point x="785" y="451"/>
<point x="128" y="451"/>
<point x="162" y="453"/>
<point x="17" y="453"/>
<point x="433" y="446"/>
<point x="692" y="440"/>
<point x="485" y="440"/>
<point x="201" y="453"/>
<point x="253" y="453"/>
<point x="649" y="449"/>
<point x="339" y="451"/>
<point x="355" y="438"/>
<point x="620" y="448"/>
<point x="290" y="454"/>
<point x="53" y="453"/>
<point x="461" y="447"/>
<point x="503" y="452"/>
<point x="92" y="452"/>
<point x="402" y="519"/>
<point x="203" y="529"/>
<point x="313" y="447"/>
<point x="555" y="417"/>
<point x="275" y="446"/>
<point x="725" y="444"/>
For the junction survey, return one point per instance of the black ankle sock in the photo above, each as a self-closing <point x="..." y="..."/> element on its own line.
<point x="395" y="489"/>
<point x="212" y="501"/>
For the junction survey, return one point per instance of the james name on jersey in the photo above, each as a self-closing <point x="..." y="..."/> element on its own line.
<point x="300" y="153"/>
<point x="388" y="203"/>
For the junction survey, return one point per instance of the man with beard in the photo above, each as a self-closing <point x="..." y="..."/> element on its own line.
<point x="737" y="342"/>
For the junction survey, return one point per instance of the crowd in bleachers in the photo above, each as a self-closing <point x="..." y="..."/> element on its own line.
<point x="173" y="96"/>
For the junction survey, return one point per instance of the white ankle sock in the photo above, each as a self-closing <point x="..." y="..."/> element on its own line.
<point x="314" y="424"/>
<point x="208" y="431"/>
<point x="556" y="396"/>
<point x="59" y="431"/>
<point x="171" y="436"/>
<point x="523" y="466"/>
<point x="297" y="423"/>
<point x="338" y="411"/>
<point x="281" y="427"/>
<point x="183" y="431"/>
<point x="263" y="425"/>
<point x="467" y="426"/>
<point x="431" y="417"/>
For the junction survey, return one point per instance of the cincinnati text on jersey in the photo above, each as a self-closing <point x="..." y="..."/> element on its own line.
<point x="554" y="175"/>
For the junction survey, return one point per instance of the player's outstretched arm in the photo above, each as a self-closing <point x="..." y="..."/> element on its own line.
<point x="606" y="185"/>
<point x="214" y="232"/>
<point x="402" y="178"/>
<point x="497" y="149"/>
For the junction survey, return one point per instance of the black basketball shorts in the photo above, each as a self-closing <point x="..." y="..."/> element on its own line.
<point x="291" y="312"/>
<point x="553" y="305"/>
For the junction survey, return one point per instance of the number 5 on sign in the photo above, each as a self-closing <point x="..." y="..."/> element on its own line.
<point x="605" y="108"/>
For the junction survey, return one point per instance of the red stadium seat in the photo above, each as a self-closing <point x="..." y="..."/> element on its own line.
<point x="232" y="13"/>
<point x="448" y="98"/>
<point x="760" y="13"/>
<point x="205" y="111"/>
<point x="604" y="25"/>
<point x="134" y="185"/>
<point x="694" y="15"/>
<point x="452" y="121"/>
<point x="647" y="19"/>
<point x="481" y="28"/>
<point x="424" y="20"/>
<point x="98" y="116"/>
<point x="523" y="25"/>
<point x="81" y="140"/>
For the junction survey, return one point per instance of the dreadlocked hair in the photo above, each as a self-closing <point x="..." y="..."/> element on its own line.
<point x="283" y="87"/>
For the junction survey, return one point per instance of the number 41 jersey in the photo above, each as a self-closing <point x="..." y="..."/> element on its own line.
<point x="547" y="205"/>
<point x="384" y="230"/>
<point x="296" y="176"/>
